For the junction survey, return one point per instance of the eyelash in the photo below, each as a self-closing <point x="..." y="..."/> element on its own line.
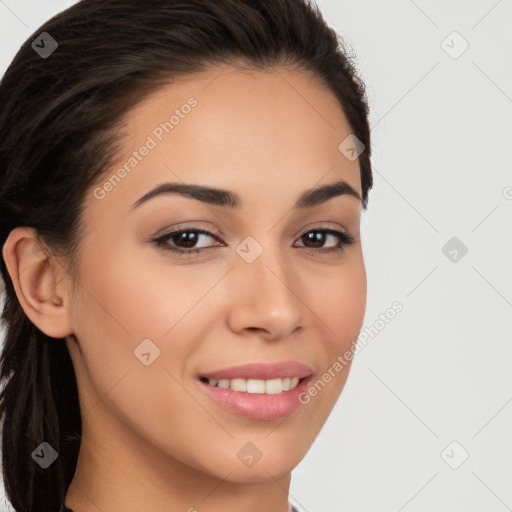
<point x="345" y="239"/>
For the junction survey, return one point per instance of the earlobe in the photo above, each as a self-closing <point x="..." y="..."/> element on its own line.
<point x="35" y="278"/>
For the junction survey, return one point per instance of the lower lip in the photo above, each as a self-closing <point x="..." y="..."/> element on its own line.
<point x="258" y="406"/>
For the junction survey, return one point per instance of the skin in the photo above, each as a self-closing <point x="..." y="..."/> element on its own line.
<point x="152" y="439"/>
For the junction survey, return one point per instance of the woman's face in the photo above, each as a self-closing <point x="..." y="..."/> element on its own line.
<point x="263" y="287"/>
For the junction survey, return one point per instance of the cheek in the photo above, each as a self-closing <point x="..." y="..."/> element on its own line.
<point x="339" y="300"/>
<point x="134" y="292"/>
<point x="121" y="303"/>
<point x="129" y="298"/>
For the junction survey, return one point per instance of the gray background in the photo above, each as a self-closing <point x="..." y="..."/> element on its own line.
<point x="439" y="372"/>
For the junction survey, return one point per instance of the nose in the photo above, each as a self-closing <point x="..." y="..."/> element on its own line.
<point x="266" y="297"/>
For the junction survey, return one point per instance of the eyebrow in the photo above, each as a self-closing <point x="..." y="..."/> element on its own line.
<point x="226" y="198"/>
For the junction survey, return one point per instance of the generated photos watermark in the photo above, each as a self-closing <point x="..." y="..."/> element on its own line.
<point x="151" y="142"/>
<point x="357" y="345"/>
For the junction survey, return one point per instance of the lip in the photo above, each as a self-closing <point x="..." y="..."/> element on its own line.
<point x="262" y="371"/>
<point x="258" y="406"/>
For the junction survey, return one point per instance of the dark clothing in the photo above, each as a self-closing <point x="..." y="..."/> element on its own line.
<point x="65" y="509"/>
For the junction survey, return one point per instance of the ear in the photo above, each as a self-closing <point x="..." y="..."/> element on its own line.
<point x="42" y="294"/>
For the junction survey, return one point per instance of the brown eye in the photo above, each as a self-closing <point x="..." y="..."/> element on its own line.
<point x="316" y="238"/>
<point x="183" y="240"/>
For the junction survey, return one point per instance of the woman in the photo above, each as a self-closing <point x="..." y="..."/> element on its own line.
<point x="181" y="189"/>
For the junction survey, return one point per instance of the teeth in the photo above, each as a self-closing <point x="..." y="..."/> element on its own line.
<point x="269" y="387"/>
<point x="238" y="384"/>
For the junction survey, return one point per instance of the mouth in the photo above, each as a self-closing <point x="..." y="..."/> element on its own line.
<point x="257" y="399"/>
<point x="258" y="390"/>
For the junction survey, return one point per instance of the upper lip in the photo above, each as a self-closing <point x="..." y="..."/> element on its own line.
<point x="263" y="371"/>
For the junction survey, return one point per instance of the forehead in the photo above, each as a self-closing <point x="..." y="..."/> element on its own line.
<point x="239" y="130"/>
<point x="275" y="103"/>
